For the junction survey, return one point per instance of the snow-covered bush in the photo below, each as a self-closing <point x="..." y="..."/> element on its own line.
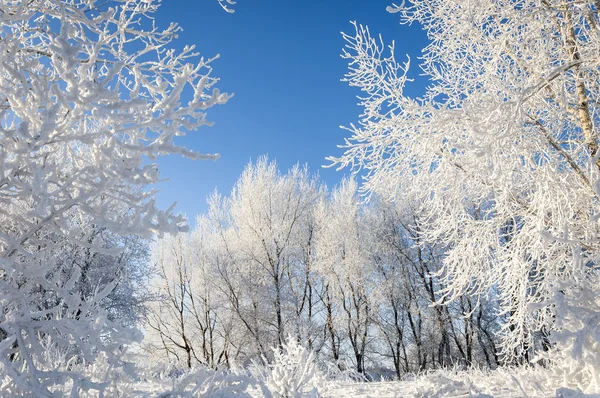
<point x="342" y="371"/>
<point x="294" y="372"/>
<point x="204" y="383"/>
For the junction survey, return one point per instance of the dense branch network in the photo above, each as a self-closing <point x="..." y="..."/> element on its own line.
<point x="501" y="153"/>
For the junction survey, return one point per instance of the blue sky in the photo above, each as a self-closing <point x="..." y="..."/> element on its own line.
<point x="281" y="59"/>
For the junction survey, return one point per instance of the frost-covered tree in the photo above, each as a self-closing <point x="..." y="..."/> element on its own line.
<point x="107" y="258"/>
<point x="185" y="321"/>
<point x="270" y="222"/>
<point x="244" y="278"/>
<point x="89" y="91"/>
<point x="419" y="333"/>
<point x="353" y="283"/>
<point x="402" y="314"/>
<point x="501" y="153"/>
<point x="342" y="258"/>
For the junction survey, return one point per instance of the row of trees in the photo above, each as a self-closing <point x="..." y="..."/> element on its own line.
<point x="283" y="255"/>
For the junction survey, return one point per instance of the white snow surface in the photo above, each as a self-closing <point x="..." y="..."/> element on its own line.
<point x="476" y="384"/>
<point x="506" y="382"/>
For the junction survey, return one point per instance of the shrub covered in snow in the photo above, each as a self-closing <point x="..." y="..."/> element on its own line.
<point x="293" y="373"/>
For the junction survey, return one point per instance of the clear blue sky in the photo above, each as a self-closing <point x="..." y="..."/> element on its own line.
<point x="282" y="61"/>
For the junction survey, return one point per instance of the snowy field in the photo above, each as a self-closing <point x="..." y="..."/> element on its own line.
<point x="502" y="383"/>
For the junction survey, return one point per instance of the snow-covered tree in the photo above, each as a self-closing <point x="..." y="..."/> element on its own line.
<point x="351" y="282"/>
<point x="270" y="220"/>
<point x="184" y="322"/>
<point x="128" y="270"/>
<point x="342" y="258"/>
<point x="401" y="303"/>
<point x="419" y="333"/>
<point x="501" y="153"/>
<point x="89" y="91"/>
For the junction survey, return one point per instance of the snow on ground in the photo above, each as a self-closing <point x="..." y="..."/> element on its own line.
<point x="502" y="383"/>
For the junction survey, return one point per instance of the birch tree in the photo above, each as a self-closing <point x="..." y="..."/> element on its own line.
<point x="508" y="126"/>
